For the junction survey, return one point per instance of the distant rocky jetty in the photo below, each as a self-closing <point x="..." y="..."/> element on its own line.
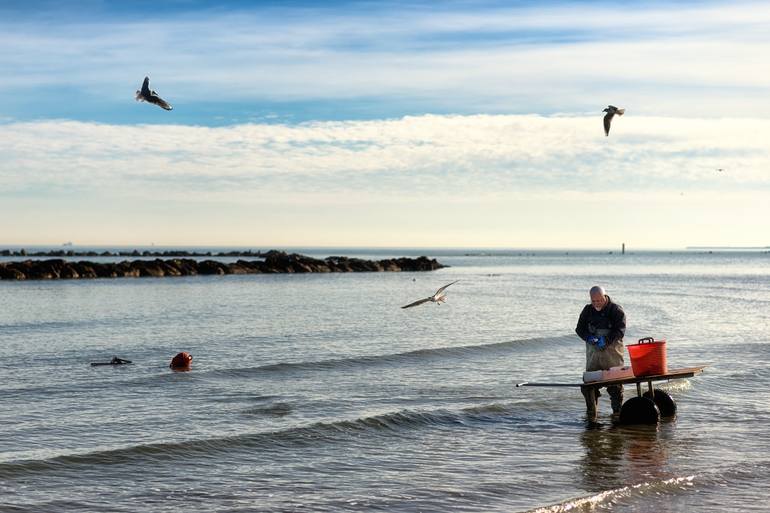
<point x="273" y="262"/>
<point x="132" y="253"/>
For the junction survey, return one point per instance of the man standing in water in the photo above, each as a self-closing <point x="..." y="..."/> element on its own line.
<point x="602" y="325"/>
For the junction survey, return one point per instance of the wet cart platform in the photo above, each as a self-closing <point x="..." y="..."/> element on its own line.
<point x="648" y="405"/>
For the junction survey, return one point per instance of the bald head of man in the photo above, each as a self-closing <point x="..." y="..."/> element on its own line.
<point x="598" y="297"/>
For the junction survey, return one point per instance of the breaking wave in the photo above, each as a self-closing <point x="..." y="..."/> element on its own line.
<point x="417" y="357"/>
<point x="387" y="424"/>
<point x="592" y="502"/>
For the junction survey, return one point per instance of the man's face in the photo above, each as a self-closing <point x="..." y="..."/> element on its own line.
<point x="598" y="301"/>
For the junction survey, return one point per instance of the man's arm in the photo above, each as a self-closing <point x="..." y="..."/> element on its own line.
<point x="582" y="326"/>
<point x="618" y="325"/>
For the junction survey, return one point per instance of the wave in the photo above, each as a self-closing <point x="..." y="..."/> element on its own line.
<point x="743" y="473"/>
<point x="410" y="357"/>
<point x="416" y="356"/>
<point x="739" y="294"/>
<point x="592" y="502"/>
<point x="386" y="424"/>
<point x="276" y="410"/>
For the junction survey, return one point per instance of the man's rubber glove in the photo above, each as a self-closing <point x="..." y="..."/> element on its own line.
<point x="601" y="343"/>
<point x="592" y="340"/>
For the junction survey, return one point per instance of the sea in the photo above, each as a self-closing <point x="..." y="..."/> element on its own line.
<point x="319" y="393"/>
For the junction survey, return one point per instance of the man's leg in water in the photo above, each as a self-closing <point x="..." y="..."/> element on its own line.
<point x="616" y="397"/>
<point x="592" y="397"/>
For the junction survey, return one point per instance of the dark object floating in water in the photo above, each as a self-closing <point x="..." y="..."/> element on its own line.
<point x="272" y="262"/>
<point x="181" y="362"/>
<point x="115" y="361"/>
<point x="146" y="95"/>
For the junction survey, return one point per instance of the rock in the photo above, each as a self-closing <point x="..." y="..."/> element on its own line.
<point x="168" y="268"/>
<point x="84" y="269"/>
<point x="211" y="267"/>
<point x="101" y="270"/>
<point x="43" y="269"/>
<point x="185" y="266"/>
<point x="148" y="268"/>
<point x="9" y="273"/>
<point x="68" y="272"/>
<point x="422" y="263"/>
<point x="124" y="269"/>
<point x="243" y="267"/>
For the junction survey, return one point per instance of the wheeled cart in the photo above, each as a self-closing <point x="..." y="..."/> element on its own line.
<point x="648" y="406"/>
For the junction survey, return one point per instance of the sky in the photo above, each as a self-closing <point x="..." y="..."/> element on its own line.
<point x="398" y="124"/>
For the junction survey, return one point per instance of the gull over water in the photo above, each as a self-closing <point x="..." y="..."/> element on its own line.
<point x="439" y="297"/>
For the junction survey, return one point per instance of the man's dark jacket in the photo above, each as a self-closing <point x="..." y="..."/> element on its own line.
<point x="611" y="317"/>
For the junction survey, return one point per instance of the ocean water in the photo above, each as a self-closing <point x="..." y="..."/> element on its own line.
<point x="318" y="393"/>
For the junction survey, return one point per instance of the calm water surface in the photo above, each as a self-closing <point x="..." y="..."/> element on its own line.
<point x="318" y="393"/>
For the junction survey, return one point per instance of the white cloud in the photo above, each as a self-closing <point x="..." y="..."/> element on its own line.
<point x="416" y="157"/>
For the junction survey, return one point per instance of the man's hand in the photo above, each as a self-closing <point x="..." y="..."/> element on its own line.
<point x="599" y="342"/>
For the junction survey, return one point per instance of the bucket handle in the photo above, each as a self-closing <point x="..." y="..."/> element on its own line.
<point x="646" y="340"/>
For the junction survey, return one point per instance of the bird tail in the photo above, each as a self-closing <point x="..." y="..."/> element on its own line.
<point x="620" y="112"/>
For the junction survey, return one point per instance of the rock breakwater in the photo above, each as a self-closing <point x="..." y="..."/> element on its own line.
<point x="273" y="262"/>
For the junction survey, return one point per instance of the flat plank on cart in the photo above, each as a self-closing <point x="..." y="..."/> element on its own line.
<point x="685" y="372"/>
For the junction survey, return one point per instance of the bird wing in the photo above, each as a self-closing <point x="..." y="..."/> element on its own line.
<point x="160" y="102"/>
<point x="418" y="302"/>
<point x="146" y="86"/>
<point x="439" y="291"/>
<point x="607" y="119"/>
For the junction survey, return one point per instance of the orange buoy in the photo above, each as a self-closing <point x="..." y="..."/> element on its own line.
<point x="181" y="362"/>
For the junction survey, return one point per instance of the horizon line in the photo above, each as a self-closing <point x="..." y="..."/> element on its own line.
<point x="619" y="248"/>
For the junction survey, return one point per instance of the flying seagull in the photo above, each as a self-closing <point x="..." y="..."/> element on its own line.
<point x="146" y="95"/>
<point x="439" y="297"/>
<point x="611" y="110"/>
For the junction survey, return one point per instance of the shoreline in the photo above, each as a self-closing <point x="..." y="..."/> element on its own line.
<point x="275" y="262"/>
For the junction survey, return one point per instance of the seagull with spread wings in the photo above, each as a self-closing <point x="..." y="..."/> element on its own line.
<point x="438" y="298"/>
<point x="611" y="110"/>
<point x="147" y="95"/>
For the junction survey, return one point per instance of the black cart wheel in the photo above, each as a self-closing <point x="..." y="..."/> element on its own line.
<point x="639" y="410"/>
<point x="663" y="401"/>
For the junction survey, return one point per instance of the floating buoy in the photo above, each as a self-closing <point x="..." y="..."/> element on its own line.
<point x="181" y="362"/>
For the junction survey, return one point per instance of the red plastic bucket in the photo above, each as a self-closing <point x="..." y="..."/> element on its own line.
<point x="648" y="357"/>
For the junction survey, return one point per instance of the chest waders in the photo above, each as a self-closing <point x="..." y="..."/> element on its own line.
<point x="603" y="359"/>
